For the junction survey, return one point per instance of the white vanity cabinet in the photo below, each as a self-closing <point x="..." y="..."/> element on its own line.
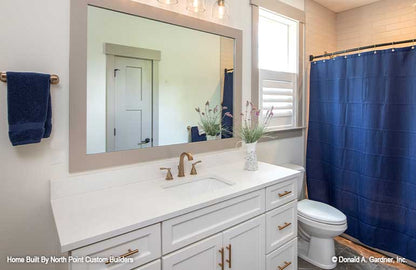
<point x="189" y="228"/>
<point x="244" y="245"/>
<point x="142" y="246"/>
<point x="253" y="231"/>
<point x="203" y="255"/>
<point x="241" y="247"/>
<point x="156" y="265"/>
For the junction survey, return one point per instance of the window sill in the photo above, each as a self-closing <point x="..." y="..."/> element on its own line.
<point x="285" y="129"/>
<point x="284" y="133"/>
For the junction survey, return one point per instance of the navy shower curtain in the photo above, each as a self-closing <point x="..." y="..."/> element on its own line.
<point x="227" y="101"/>
<point x="361" y="155"/>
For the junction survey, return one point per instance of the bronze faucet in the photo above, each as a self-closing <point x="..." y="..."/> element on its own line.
<point x="181" y="169"/>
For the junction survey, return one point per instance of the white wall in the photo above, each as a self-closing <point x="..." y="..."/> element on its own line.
<point x="35" y="37"/>
<point x="189" y="72"/>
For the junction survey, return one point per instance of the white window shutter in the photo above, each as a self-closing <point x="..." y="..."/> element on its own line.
<point x="277" y="90"/>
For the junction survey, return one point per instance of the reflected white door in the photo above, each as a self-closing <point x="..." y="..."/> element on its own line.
<point x="132" y="103"/>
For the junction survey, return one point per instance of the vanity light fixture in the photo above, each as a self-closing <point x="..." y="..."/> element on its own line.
<point x="197" y="6"/>
<point x="168" y="2"/>
<point x="220" y="10"/>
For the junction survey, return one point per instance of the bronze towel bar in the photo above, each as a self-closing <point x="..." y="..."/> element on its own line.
<point x="54" y="78"/>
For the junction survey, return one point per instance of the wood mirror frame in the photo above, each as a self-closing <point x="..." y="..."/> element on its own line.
<point x="79" y="160"/>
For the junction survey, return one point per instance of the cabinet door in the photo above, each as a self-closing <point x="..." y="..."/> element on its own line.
<point x="281" y="226"/>
<point x="285" y="257"/>
<point x="245" y="245"/>
<point x="156" y="265"/>
<point x="142" y="246"/>
<point x="204" y="255"/>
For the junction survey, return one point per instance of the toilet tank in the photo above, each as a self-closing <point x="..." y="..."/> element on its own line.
<point x="301" y="180"/>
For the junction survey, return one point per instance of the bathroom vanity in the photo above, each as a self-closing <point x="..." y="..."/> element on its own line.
<point x="127" y="106"/>
<point x="223" y="218"/>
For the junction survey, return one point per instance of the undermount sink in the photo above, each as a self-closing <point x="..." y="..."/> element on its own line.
<point x="198" y="185"/>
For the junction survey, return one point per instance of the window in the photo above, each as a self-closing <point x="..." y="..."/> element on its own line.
<point x="279" y="77"/>
<point x="278" y="42"/>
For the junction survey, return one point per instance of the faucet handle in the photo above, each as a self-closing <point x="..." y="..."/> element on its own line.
<point x="193" y="170"/>
<point x="169" y="174"/>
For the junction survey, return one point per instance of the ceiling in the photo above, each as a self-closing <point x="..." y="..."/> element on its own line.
<point x="343" y="5"/>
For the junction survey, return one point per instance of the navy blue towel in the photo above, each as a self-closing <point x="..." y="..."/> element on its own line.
<point x="29" y="107"/>
<point x="195" y="137"/>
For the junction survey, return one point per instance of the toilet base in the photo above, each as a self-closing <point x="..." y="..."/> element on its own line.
<point x="317" y="251"/>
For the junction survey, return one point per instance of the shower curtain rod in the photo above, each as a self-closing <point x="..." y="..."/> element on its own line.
<point x="313" y="57"/>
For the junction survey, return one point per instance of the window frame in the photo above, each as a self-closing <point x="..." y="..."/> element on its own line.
<point x="256" y="93"/>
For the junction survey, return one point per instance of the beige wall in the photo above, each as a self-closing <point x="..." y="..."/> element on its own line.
<point x="321" y="36"/>
<point x="383" y="21"/>
<point x="321" y="32"/>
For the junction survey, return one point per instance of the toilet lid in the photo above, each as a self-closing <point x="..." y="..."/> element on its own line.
<point x="321" y="212"/>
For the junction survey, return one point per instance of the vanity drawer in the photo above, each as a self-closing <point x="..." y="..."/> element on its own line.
<point x="281" y="193"/>
<point x="285" y="257"/>
<point x="192" y="227"/>
<point x="143" y="245"/>
<point x="156" y="265"/>
<point x="281" y="225"/>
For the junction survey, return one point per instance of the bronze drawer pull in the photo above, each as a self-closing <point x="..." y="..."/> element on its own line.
<point x="229" y="256"/>
<point x="284" y="266"/>
<point x="284" y="226"/>
<point x="222" y="258"/>
<point x="284" y="194"/>
<point x="125" y="255"/>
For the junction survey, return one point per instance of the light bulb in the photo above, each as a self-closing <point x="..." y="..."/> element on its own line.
<point x="196" y="5"/>
<point x="220" y="10"/>
<point x="168" y="2"/>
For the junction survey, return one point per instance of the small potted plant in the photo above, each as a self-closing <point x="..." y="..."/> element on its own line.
<point x="210" y="120"/>
<point x="254" y="127"/>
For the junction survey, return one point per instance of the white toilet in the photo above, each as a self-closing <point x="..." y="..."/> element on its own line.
<point x="318" y="224"/>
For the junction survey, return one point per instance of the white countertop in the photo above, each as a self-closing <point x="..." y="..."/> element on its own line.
<point x="86" y="218"/>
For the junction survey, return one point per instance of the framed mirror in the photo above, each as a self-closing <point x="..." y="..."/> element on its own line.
<point x="147" y="83"/>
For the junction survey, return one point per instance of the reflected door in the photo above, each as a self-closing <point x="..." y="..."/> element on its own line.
<point x="132" y="103"/>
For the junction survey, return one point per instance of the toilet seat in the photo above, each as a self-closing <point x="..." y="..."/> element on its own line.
<point x="320" y="212"/>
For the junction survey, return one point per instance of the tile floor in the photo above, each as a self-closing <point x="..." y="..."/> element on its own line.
<point x="346" y="248"/>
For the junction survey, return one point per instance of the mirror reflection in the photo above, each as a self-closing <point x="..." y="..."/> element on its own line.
<point x="153" y="84"/>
